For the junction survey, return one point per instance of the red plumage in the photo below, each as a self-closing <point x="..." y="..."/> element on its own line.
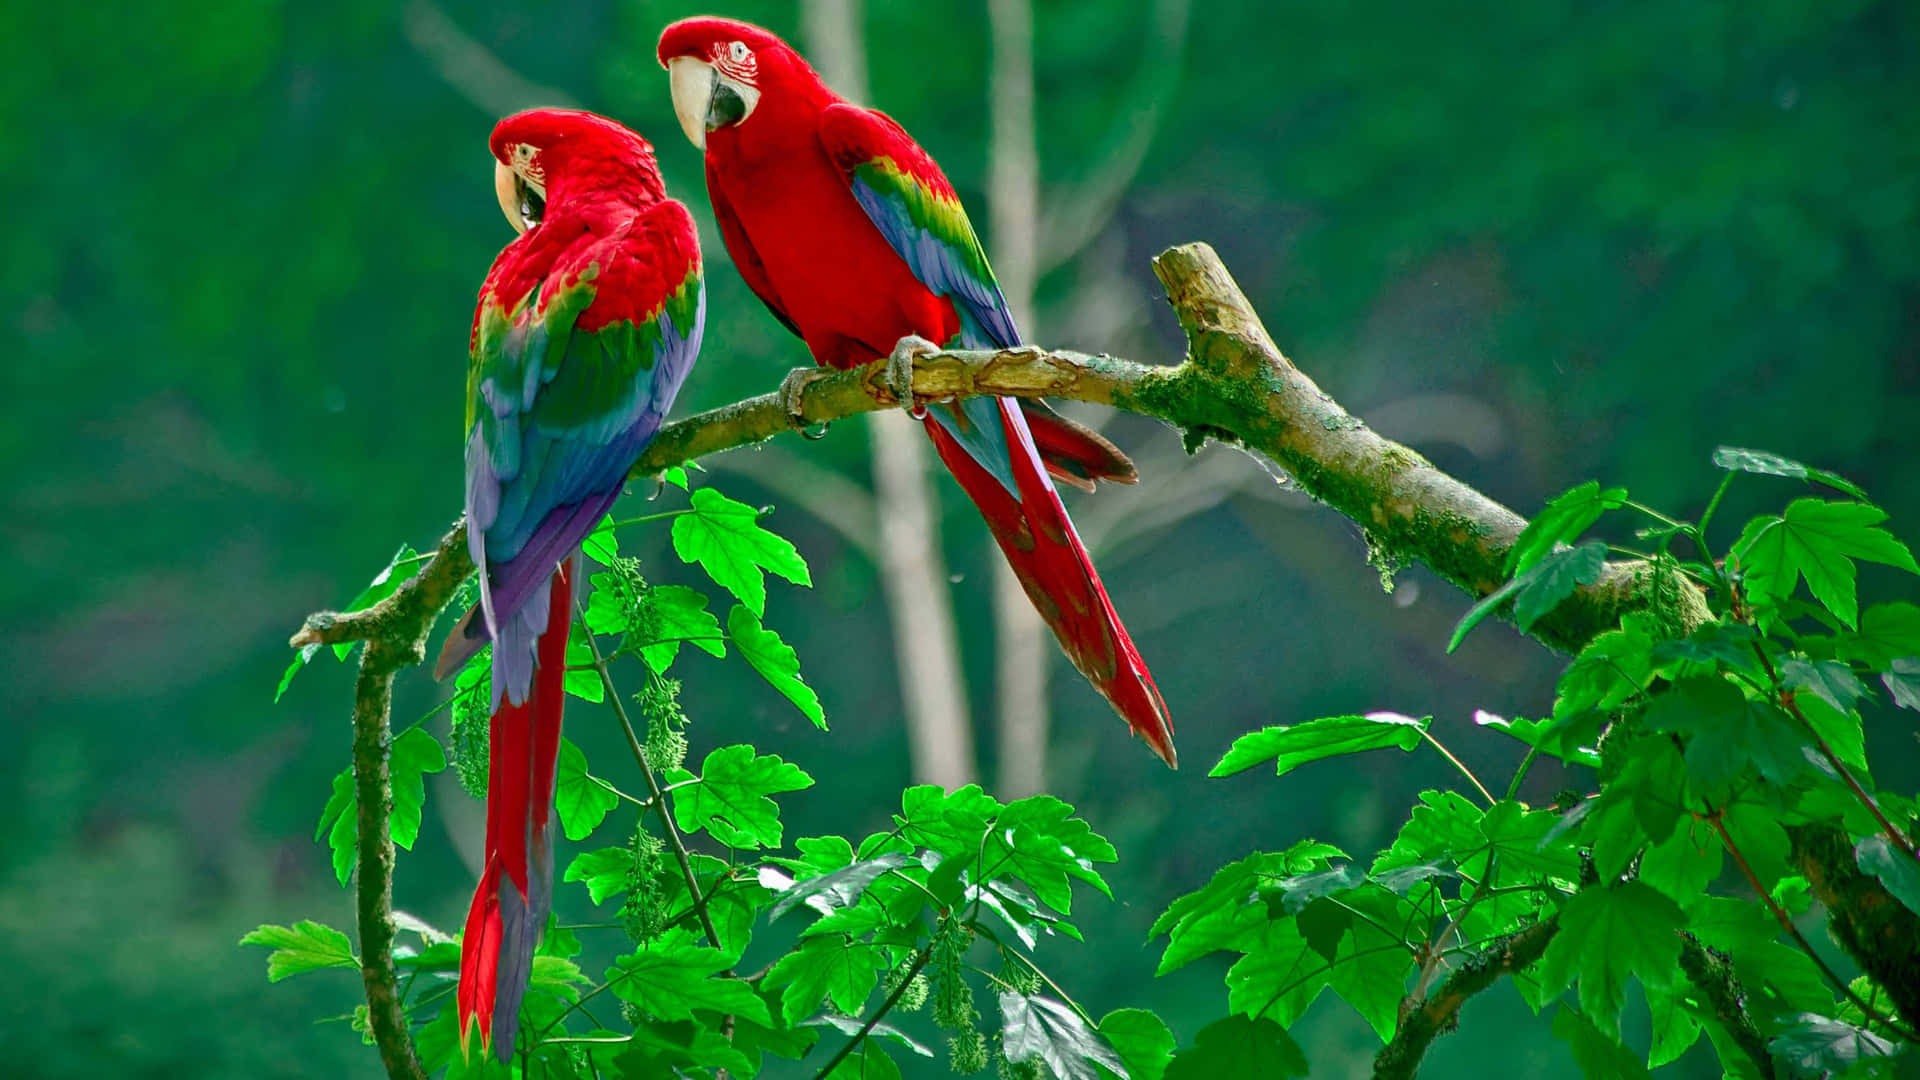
<point x="586" y="326"/>
<point x="853" y="237"/>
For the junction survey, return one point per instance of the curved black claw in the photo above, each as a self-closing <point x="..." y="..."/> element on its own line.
<point x="792" y="392"/>
<point x="900" y="363"/>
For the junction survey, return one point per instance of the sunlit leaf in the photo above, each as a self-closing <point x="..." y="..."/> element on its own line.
<point x="1293" y="746"/>
<point x="725" y="538"/>
<point x="823" y="968"/>
<point x="670" y="977"/>
<point x="1142" y="1041"/>
<point x="304" y="946"/>
<point x="581" y="800"/>
<point x="729" y="799"/>
<point x="1817" y="541"/>
<point x="1041" y="1030"/>
<point x="775" y="660"/>
<point x="1737" y="459"/>
<point x="604" y="871"/>
<point x="1564" y="518"/>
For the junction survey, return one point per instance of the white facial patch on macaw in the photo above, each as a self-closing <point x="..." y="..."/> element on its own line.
<point x="736" y="62"/>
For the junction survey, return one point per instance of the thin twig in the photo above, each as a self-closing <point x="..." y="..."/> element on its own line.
<point x="1786" y="923"/>
<point x="659" y="801"/>
<point x="919" y="962"/>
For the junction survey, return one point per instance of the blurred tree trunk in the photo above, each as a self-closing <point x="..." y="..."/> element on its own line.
<point x="913" y="573"/>
<point x="1021" y="645"/>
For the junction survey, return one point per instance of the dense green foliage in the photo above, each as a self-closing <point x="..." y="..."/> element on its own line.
<point x="1692" y="742"/>
<point x="1537" y="242"/>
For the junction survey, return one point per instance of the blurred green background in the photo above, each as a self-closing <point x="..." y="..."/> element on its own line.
<point x="1541" y="242"/>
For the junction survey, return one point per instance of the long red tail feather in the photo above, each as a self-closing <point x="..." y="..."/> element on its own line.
<point x="515" y="892"/>
<point x="1047" y="557"/>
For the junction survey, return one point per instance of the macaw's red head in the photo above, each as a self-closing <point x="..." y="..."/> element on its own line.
<point x="544" y="155"/>
<point x="721" y="70"/>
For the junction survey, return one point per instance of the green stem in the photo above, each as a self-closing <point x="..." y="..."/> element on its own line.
<point x="919" y="961"/>
<point x="1461" y="765"/>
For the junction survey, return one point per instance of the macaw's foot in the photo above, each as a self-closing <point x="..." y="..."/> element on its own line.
<point x="793" y="392"/>
<point x="900" y="370"/>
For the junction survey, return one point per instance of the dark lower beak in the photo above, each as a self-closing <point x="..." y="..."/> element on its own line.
<point x="725" y="106"/>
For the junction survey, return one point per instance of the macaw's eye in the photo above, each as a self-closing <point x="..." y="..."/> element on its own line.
<point x="738" y="51"/>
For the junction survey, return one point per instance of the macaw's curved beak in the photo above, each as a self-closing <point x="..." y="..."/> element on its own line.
<point x="693" y="83"/>
<point x="706" y="100"/>
<point x="523" y="203"/>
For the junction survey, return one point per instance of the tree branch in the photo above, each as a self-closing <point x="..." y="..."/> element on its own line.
<point x="1235" y="386"/>
<point x="1421" y="1020"/>
<point x="1712" y="973"/>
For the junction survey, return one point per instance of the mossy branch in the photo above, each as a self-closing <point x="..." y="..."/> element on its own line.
<point x="1234" y="386"/>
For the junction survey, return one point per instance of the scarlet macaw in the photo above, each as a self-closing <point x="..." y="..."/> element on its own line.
<point x="854" y="239"/>
<point x="587" y="324"/>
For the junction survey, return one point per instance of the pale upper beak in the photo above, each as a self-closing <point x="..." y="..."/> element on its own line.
<point x="706" y="100"/>
<point x="522" y="201"/>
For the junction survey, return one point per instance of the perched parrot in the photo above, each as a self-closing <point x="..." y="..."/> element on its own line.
<point x="587" y="324"/>
<point x="854" y="239"/>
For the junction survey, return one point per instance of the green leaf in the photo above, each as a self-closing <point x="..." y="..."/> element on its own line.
<point x="1896" y="869"/>
<point x="675" y="475"/>
<point x="679" y="1048"/>
<point x="1296" y="745"/>
<point x="1280" y="975"/>
<point x="836" y="888"/>
<point x="1599" y="1055"/>
<point x="1554" y="578"/>
<point x="1565" y="517"/>
<point x="293" y="668"/>
<point x="1887" y="633"/>
<point x="1142" y="1041"/>
<point x="1238" y="1047"/>
<point x="1902" y="681"/>
<point x="414" y="754"/>
<point x="1227" y="913"/>
<point x="581" y="800"/>
<point x="775" y="660"/>
<point x="1607" y="935"/>
<point x="729" y="798"/>
<point x="1675" y="1028"/>
<point x="1816" y="1046"/>
<point x="1817" y="541"/>
<point x="826" y="967"/>
<point x="1829" y="680"/>
<point x="604" y="871"/>
<point x="582" y="679"/>
<point x="1537" y="589"/>
<point x="1736" y="459"/>
<point x="1041" y="1030"/>
<point x="1535" y="734"/>
<point x="680" y="613"/>
<point x="848" y="1025"/>
<point x="557" y="976"/>
<point x="870" y="1062"/>
<point x="725" y="538"/>
<point x="304" y="946"/>
<point x="338" y="826"/>
<point x="670" y="977"/>
<point x="1728" y="732"/>
<point x="1038" y="841"/>
<point x="1444" y="824"/>
<point x="602" y="545"/>
<point x="951" y="824"/>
